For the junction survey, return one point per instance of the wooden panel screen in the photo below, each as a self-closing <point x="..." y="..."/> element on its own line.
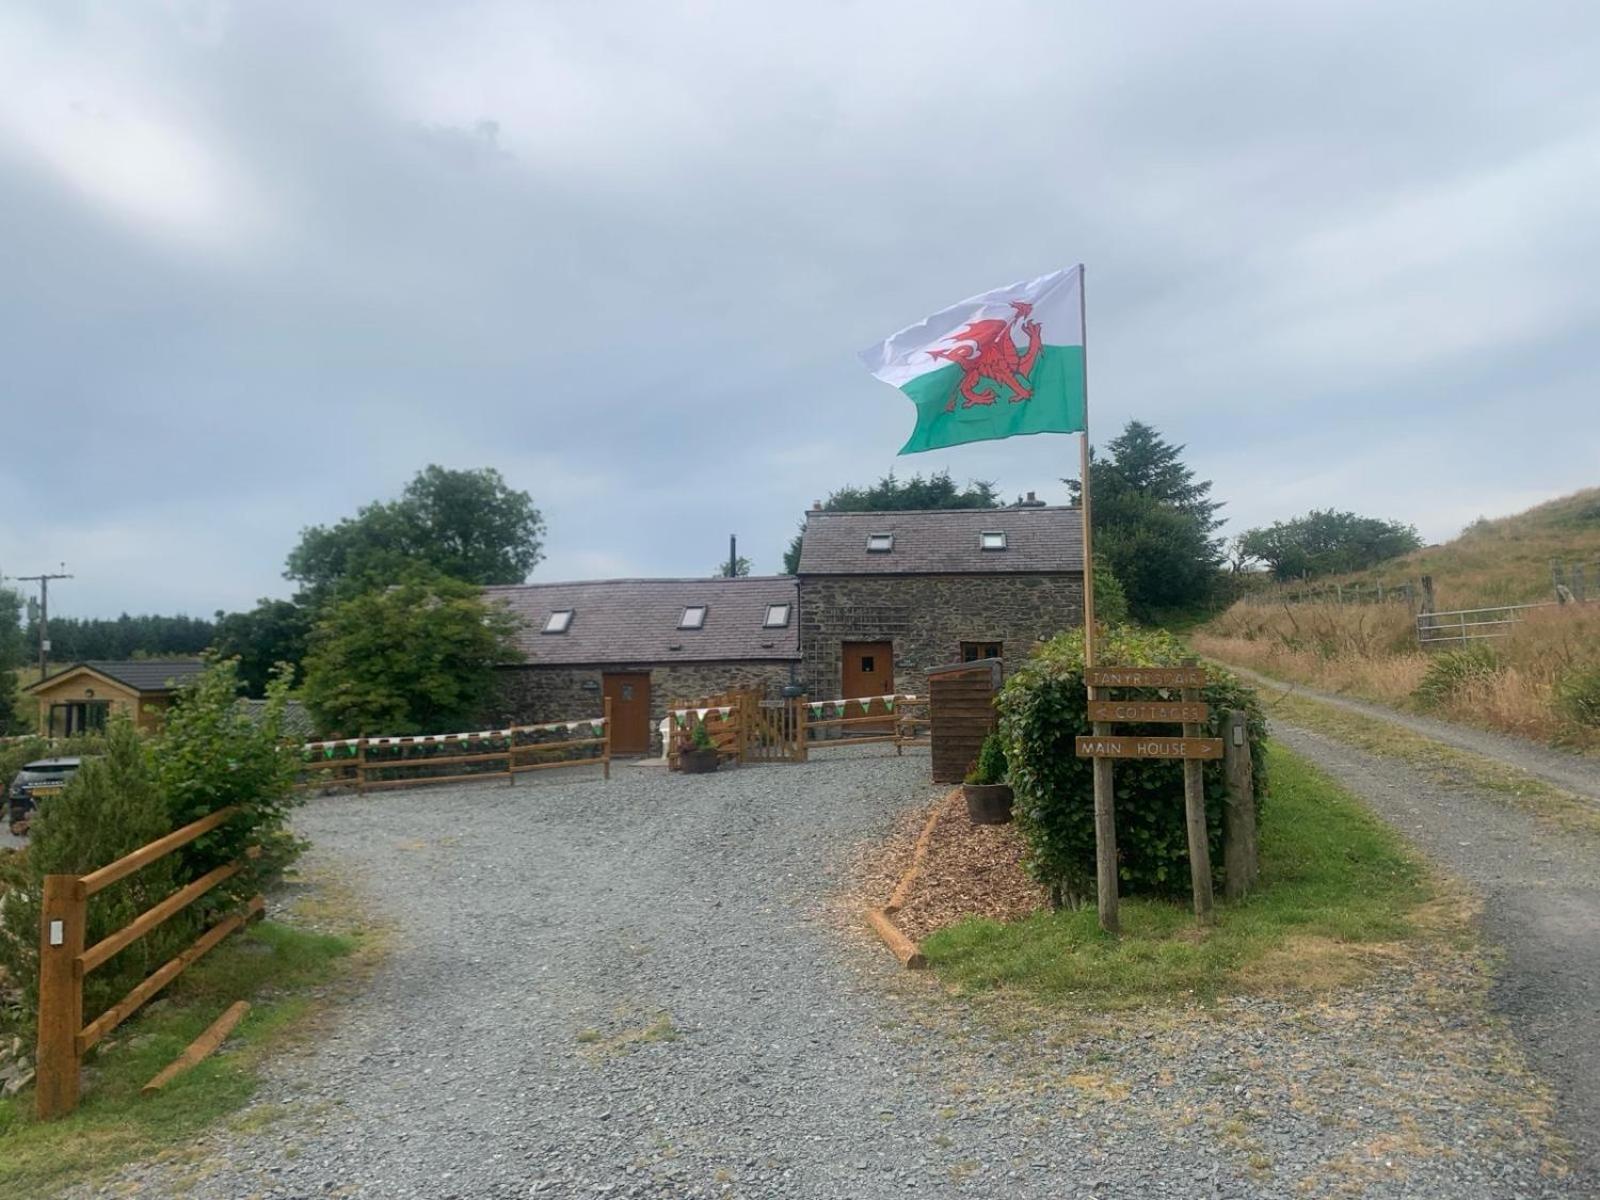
<point x="962" y="703"/>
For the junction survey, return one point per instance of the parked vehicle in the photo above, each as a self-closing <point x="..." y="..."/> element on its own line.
<point x="38" y="779"/>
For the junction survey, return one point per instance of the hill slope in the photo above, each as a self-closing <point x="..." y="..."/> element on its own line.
<point x="1504" y="561"/>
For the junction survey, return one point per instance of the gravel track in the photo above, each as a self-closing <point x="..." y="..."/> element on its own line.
<point x="1574" y="772"/>
<point x="1541" y="898"/>
<point x="643" y="989"/>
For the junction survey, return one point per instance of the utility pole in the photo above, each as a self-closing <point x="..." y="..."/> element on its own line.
<point x="43" y="580"/>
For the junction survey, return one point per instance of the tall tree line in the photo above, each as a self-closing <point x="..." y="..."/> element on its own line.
<point x="73" y="639"/>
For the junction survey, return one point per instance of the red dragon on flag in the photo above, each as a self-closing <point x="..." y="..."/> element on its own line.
<point x="990" y="358"/>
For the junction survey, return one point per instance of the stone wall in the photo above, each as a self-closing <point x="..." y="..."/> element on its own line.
<point x="927" y="617"/>
<point x="529" y="695"/>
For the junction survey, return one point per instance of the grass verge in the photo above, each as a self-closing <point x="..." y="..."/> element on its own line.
<point x="1446" y="764"/>
<point x="277" y="967"/>
<point x="1334" y="878"/>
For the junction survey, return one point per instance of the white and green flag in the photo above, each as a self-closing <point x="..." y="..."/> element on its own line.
<point x="998" y="365"/>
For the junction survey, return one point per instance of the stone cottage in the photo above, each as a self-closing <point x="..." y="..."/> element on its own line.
<point x="885" y="596"/>
<point x="879" y="599"/>
<point x="643" y="643"/>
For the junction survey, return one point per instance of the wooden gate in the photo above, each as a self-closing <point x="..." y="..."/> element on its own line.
<point x="774" y="729"/>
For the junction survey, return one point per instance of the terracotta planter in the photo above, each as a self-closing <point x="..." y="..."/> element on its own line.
<point x="697" y="762"/>
<point x="988" y="803"/>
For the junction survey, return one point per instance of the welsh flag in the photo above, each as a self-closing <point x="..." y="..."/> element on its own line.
<point x="1004" y="363"/>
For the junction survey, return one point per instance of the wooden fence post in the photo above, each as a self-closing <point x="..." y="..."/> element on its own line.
<point x="361" y="766"/>
<point x="1194" y="808"/>
<point x="511" y="758"/>
<point x="1105" y="837"/>
<point x="1240" y="860"/>
<point x="800" y="712"/>
<point x="61" y="929"/>
<point x="605" y="747"/>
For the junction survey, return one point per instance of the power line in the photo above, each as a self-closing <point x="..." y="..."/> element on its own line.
<point x="43" y="580"/>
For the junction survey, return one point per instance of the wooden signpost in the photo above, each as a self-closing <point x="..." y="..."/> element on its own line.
<point x="1194" y="749"/>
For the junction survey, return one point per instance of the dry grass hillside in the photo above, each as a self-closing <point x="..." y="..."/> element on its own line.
<point x="1506" y="560"/>
<point x="1541" y="681"/>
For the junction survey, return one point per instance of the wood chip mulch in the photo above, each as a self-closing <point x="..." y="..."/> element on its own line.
<point x="969" y="870"/>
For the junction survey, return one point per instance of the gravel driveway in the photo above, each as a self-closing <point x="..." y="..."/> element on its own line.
<point x="1541" y="896"/>
<point x="641" y="989"/>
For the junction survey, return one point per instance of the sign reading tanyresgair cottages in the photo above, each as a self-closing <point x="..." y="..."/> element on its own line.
<point x="1149" y="747"/>
<point x="1167" y="677"/>
<point x="1177" y="711"/>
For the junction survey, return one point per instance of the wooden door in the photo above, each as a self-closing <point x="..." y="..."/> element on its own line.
<point x="630" y="711"/>
<point x="868" y="670"/>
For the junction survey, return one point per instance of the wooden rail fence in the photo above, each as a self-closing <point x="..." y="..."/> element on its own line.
<point x="375" y="763"/>
<point x="746" y="728"/>
<point x="64" y="961"/>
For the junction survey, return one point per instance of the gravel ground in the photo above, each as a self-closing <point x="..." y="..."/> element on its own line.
<point x="1541" y="908"/>
<point x="642" y="989"/>
<point x="1574" y="772"/>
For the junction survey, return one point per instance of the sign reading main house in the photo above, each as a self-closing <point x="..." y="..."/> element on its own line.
<point x="879" y="599"/>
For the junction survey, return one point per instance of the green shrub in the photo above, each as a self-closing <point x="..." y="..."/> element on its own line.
<point x="110" y="807"/>
<point x="1044" y="706"/>
<point x="1578" y="695"/>
<point x="700" y="737"/>
<point x="210" y="754"/>
<point x="1452" y="671"/>
<point x="990" y="765"/>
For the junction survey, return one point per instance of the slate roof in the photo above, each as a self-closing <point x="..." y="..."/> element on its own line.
<point x="636" y="620"/>
<point x="141" y="674"/>
<point x="943" y="542"/>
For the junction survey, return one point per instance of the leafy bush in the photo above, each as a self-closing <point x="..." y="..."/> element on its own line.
<point x="1044" y="706"/>
<point x="1451" y="672"/>
<point x="212" y="753"/>
<point x="1110" y="598"/>
<point x="109" y="808"/>
<point x="700" y="737"/>
<point x="990" y="765"/>
<point x="1578" y="696"/>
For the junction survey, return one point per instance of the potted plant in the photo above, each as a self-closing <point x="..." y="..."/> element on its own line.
<point x="697" y="753"/>
<point x="987" y="793"/>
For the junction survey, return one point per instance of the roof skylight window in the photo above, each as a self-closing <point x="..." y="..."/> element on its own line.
<point x="992" y="539"/>
<point x="558" y="621"/>
<point x="880" y="543"/>
<point x="777" y="617"/>
<point x="694" y="617"/>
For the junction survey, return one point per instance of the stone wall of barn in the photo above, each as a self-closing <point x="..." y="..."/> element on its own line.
<point x="927" y="617"/>
<point x="529" y="695"/>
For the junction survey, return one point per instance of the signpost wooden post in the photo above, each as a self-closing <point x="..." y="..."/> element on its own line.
<point x="1105" y="747"/>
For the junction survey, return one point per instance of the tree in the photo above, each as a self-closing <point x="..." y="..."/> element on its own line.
<point x="12" y="653"/>
<point x="1154" y="522"/>
<point x="273" y="632"/>
<point x="468" y="525"/>
<point x="73" y="639"/>
<point x="416" y="657"/>
<point x="741" y="568"/>
<point x="893" y="495"/>
<point x="1325" y="542"/>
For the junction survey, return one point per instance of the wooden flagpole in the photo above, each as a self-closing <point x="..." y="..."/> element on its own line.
<point x="1105" y="817"/>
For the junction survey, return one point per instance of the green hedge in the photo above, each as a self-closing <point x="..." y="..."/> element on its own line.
<point x="1044" y="706"/>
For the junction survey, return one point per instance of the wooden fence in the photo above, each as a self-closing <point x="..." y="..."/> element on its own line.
<point x="746" y="728"/>
<point x="375" y="763"/>
<point x="64" y="961"/>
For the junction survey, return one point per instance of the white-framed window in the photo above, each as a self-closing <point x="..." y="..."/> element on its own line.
<point x="777" y="617"/>
<point x="992" y="539"/>
<point x="880" y="543"/>
<point x="559" y="621"/>
<point x="694" y="617"/>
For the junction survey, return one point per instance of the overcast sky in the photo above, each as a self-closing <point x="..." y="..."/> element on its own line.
<point x="260" y="263"/>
